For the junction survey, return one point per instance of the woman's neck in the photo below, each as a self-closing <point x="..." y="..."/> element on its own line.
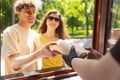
<point x="50" y="35"/>
<point x="51" y="32"/>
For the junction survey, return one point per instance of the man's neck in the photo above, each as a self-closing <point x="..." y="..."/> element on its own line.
<point x="24" y="25"/>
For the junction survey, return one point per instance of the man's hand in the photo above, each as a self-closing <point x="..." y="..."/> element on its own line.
<point x="55" y="53"/>
<point x="68" y="58"/>
<point x="46" y="51"/>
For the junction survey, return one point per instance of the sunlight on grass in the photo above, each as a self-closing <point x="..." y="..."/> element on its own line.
<point x="80" y="33"/>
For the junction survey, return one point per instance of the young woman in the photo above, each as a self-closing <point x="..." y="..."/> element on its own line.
<point x="51" y="29"/>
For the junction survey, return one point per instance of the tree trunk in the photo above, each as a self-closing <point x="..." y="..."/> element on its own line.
<point x="13" y="14"/>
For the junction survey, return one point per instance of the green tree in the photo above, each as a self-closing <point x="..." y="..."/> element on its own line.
<point x="6" y="14"/>
<point x="78" y="14"/>
<point x="116" y="14"/>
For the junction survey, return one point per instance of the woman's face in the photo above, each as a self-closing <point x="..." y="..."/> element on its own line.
<point x="53" y="21"/>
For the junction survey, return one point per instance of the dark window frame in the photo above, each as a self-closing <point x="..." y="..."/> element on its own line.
<point x="102" y="24"/>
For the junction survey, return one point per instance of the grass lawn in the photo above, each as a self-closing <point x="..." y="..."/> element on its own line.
<point x="80" y="33"/>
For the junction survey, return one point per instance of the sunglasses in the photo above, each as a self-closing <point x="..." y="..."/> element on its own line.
<point x="51" y="18"/>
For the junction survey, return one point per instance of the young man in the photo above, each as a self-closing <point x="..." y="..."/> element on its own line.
<point x="106" y="68"/>
<point x="18" y="47"/>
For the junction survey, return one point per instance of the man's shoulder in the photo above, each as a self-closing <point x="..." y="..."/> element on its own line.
<point x="34" y="33"/>
<point x="10" y="28"/>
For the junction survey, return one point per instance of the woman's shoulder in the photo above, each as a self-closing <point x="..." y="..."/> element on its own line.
<point x="43" y="39"/>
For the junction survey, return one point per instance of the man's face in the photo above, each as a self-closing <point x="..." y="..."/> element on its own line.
<point x="27" y="15"/>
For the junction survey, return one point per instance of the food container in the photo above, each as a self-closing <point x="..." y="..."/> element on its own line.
<point x="64" y="47"/>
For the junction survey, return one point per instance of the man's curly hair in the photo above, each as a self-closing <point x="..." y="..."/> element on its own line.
<point x="20" y="4"/>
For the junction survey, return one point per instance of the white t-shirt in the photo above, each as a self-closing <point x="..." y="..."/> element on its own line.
<point x="17" y="39"/>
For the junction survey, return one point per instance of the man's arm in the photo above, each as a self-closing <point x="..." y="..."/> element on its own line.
<point x="105" y="68"/>
<point x="18" y="62"/>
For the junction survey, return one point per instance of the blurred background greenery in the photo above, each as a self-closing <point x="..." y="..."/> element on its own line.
<point x="78" y="15"/>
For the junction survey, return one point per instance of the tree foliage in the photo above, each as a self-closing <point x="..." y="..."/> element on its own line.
<point x="6" y="14"/>
<point x="78" y="14"/>
<point x="116" y="14"/>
